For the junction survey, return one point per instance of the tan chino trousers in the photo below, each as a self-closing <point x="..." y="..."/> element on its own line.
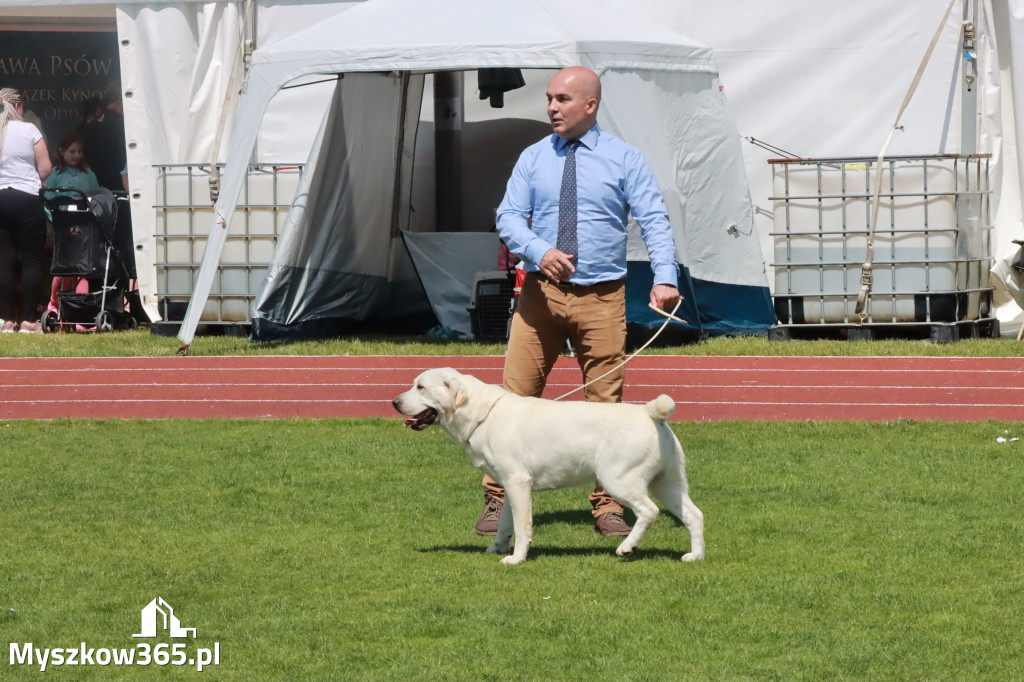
<point x="593" y="319"/>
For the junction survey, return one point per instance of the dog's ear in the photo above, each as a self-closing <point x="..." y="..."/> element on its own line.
<point x="456" y="391"/>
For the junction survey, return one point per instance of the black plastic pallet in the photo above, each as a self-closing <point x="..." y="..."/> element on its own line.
<point x="936" y="332"/>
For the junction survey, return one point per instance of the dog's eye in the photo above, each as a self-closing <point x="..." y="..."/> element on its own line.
<point x="419" y="387"/>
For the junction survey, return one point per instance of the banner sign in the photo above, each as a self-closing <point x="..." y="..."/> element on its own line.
<point x="59" y="71"/>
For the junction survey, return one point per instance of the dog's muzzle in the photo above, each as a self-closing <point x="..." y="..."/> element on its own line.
<point x="422" y="420"/>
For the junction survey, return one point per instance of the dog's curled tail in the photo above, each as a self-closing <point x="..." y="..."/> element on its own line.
<point x="661" y="408"/>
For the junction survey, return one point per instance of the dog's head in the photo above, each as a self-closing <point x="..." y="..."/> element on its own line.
<point x="435" y="394"/>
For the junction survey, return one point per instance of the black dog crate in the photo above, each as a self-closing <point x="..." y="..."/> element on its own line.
<point x="492" y="300"/>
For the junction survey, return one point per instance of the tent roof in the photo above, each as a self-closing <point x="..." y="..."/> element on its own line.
<point x="384" y="35"/>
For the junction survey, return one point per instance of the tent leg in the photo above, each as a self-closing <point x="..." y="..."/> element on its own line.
<point x="448" y="114"/>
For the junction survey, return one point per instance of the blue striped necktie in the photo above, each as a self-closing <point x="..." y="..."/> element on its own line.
<point x="567" y="242"/>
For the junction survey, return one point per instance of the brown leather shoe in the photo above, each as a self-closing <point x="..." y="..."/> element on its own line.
<point x="487" y="524"/>
<point x="611" y="524"/>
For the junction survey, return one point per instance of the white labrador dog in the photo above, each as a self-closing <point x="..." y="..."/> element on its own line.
<point x="531" y="444"/>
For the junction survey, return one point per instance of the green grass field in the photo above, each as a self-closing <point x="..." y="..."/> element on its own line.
<point x="344" y="550"/>
<point x="142" y="343"/>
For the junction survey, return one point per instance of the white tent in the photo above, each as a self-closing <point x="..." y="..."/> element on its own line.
<point x="336" y="255"/>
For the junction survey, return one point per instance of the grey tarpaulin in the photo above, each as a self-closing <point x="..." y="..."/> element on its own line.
<point x="447" y="263"/>
<point x="334" y="259"/>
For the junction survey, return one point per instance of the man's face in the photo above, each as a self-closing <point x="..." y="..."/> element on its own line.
<point x="571" y="108"/>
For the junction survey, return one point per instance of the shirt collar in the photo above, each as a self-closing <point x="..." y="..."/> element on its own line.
<point x="587" y="139"/>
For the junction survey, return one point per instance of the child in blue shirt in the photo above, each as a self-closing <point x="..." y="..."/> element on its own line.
<point x="70" y="170"/>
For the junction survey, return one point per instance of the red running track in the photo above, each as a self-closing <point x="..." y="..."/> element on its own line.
<point x="705" y="388"/>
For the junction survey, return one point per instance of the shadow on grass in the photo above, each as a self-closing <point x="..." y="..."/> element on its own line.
<point x="548" y="551"/>
<point x="575" y="517"/>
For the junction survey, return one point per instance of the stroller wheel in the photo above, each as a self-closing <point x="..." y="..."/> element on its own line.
<point x="131" y="323"/>
<point x="104" y="321"/>
<point x="49" y="322"/>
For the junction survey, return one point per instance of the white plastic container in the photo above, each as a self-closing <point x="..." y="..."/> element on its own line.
<point x="931" y="243"/>
<point x="184" y="216"/>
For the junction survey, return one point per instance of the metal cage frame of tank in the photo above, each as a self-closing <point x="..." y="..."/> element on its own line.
<point x="184" y="213"/>
<point x="820" y="289"/>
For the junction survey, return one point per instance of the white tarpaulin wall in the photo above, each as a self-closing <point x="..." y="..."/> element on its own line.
<point x="689" y="139"/>
<point x="825" y="79"/>
<point x="660" y="94"/>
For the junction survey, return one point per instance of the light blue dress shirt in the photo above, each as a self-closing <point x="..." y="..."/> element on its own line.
<point x="613" y="180"/>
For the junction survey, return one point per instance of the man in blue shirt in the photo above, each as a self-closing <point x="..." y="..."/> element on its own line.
<point x="578" y="296"/>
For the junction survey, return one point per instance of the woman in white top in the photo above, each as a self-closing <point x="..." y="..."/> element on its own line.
<point x="24" y="162"/>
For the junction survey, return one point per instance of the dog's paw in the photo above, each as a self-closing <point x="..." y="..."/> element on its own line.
<point x="496" y="548"/>
<point x="692" y="556"/>
<point x="622" y="550"/>
<point x="512" y="560"/>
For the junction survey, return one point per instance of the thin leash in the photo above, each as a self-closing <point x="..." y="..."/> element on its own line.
<point x="668" y="318"/>
<point x="867" y="268"/>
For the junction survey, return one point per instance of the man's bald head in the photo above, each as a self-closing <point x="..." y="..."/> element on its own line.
<point x="574" y="95"/>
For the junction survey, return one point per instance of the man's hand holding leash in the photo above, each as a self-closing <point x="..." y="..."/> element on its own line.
<point x="664" y="297"/>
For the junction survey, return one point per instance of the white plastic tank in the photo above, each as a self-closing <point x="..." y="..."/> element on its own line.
<point x="932" y="249"/>
<point x="184" y="215"/>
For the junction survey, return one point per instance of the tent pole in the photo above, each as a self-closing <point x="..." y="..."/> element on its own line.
<point x="448" y="114"/>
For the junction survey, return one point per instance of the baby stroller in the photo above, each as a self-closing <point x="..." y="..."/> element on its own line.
<point x="84" y="223"/>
